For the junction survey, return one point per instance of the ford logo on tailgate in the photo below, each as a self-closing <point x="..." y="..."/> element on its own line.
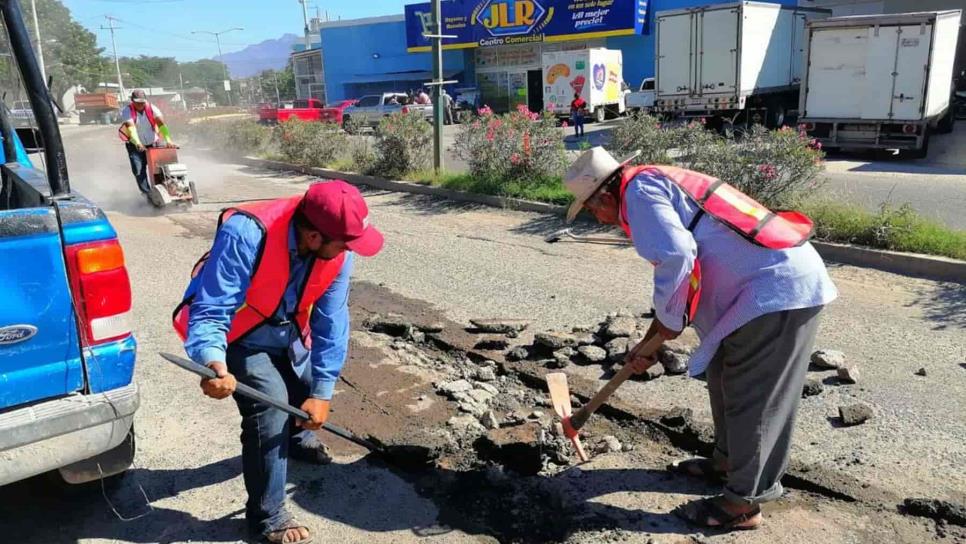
<point x="16" y="333"/>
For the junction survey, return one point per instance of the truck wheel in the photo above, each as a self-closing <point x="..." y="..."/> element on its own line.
<point x="776" y="117"/>
<point x="347" y="123"/>
<point x="945" y="125"/>
<point x="923" y="151"/>
<point x="600" y="114"/>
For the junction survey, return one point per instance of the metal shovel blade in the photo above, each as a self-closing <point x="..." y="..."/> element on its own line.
<point x="560" y="399"/>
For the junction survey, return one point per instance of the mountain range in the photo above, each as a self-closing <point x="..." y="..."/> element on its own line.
<point x="269" y="54"/>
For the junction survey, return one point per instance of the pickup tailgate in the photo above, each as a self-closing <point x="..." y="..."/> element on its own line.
<point x="40" y="355"/>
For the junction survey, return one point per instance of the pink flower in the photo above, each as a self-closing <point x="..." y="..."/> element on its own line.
<point x="489" y="135"/>
<point x="515" y="158"/>
<point x="815" y="144"/>
<point x="768" y="171"/>
<point x="526" y="143"/>
<point x="485" y="110"/>
<point x="565" y="124"/>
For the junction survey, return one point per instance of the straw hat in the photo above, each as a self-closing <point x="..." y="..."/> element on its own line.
<point x="588" y="173"/>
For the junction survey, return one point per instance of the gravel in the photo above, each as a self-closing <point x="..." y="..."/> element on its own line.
<point x="848" y="374"/>
<point x="828" y="359"/>
<point x="593" y="354"/>
<point x="854" y="414"/>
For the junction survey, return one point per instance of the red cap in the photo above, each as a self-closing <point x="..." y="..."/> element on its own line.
<point x="338" y="210"/>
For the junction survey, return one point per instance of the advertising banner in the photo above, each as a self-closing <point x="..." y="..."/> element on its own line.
<point x="488" y="23"/>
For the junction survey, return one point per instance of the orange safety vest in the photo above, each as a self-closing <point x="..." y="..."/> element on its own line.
<point x="736" y="210"/>
<point x="148" y="112"/>
<point x="270" y="276"/>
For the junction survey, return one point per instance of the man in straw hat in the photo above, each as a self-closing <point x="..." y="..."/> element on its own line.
<point x="762" y="288"/>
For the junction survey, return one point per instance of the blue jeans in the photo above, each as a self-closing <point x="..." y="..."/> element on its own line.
<point x="578" y="120"/>
<point x="139" y="167"/>
<point x="267" y="433"/>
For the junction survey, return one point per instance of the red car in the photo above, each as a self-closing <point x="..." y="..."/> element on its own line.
<point x="333" y="112"/>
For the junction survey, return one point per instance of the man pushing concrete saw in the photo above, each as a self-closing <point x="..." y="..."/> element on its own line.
<point x="268" y="306"/>
<point x="761" y="288"/>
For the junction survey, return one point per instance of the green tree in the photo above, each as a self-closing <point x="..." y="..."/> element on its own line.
<point x="70" y="51"/>
<point x="286" y="83"/>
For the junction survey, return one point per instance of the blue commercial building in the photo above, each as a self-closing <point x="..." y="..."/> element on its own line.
<point x="498" y="46"/>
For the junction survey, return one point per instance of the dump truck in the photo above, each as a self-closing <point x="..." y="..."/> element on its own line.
<point x="97" y="108"/>
<point x="595" y="74"/>
<point x="733" y="64"/>
<point x="880" y="81"/>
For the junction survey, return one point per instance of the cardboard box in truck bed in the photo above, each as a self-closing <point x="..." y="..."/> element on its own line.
<point x="882" y="81"/>
<point x="595" y="74"/>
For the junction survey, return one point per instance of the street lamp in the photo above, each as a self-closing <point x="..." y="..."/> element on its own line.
<point x="217" y="36"/>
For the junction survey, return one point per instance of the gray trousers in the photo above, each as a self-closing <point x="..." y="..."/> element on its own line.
<point x="755" y="382"/>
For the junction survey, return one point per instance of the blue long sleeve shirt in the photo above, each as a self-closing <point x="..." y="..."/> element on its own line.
<point x="219" y="290"/>
<point x="740" y="280"/>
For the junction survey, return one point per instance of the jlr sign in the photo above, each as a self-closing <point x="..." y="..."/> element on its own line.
<point x="487" y="23"/>
<point x="510" y="17"/>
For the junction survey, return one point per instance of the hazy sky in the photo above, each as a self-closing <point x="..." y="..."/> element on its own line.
<point x="163" y="27"/>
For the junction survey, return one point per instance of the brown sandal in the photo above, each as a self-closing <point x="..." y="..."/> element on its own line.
<point x="278" y="536"/>
<point x="708" y="514"/>
<point x="700" y="467"/>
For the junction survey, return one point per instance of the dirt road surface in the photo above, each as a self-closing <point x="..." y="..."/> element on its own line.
<point x="450" y="263"/>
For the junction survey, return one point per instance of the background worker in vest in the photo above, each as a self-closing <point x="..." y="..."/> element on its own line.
<point x="142" y="126"/>
<point x="578" y="107"/>
<point x="757" y="318"/>
<point x="292" y="256"/>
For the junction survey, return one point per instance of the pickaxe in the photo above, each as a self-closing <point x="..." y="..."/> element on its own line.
<point x="560" y="392"/>
<point x="569" y="234"/>
<point x="255" y="394"/>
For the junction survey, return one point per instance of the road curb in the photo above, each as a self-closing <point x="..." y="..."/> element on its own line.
<point x="906" y="264"/>
<point x="411" y="187"/>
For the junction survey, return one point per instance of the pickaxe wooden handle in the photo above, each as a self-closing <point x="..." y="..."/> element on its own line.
<point x="648" y="349"/>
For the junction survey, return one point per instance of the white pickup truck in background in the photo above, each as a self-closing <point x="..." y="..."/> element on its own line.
<point x="641" y="100"/>
<point x="370" y="109"/>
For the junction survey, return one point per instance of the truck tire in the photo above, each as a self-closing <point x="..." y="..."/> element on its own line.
<point x="347" y="124"/>
<point x="946" y="122"/>
<point x="923" y="151"/>
<point x="600" y="114"/>
<point x="776" y="116"/>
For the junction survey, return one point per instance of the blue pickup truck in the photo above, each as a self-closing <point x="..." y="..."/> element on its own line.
<point x="67" y="396"/>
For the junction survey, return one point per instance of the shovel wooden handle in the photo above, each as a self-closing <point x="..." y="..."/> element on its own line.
<point x="648" y="350"/>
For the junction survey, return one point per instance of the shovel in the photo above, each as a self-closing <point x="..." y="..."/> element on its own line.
<point x="255" y="394"/>
<point x="560" y="395"/>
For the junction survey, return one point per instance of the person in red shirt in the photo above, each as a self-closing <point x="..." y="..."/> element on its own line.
<point x="577" y="109"/>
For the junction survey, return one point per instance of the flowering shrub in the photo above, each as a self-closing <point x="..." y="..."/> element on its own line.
<point x="520" y="147"/>
<point x="404" y="144"/>
<point x="774" y="167"/>
<point x="309" y="144"/>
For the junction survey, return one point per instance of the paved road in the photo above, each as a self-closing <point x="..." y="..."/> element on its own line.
<point x="473" y="262"/>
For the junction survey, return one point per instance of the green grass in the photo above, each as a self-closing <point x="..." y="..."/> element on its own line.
<point x="893" y="228"/>
<point x="547" y="190"/>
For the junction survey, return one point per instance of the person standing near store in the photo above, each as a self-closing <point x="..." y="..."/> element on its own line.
<point x="577" y="109"/>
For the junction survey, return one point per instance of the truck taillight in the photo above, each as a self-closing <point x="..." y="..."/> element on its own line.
<point x="101" y="290"/>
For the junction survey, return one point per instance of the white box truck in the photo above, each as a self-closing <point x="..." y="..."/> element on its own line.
<point x="597" y="75"/>
<point x="734" y="64"/>
<point x="880" y="81"/>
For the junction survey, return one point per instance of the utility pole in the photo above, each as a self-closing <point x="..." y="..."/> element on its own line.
<point x="40" y="43"/>
<point x="117" y="64"/>
<point x="184" y="99"/>
<point x="278" y="97"/>
<point x="217" y="36"/>
<point x="305" y="17"/>
<point x="437" y="83"/>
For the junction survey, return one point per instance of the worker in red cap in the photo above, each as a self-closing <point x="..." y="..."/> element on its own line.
<point x="268" y="306"/>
